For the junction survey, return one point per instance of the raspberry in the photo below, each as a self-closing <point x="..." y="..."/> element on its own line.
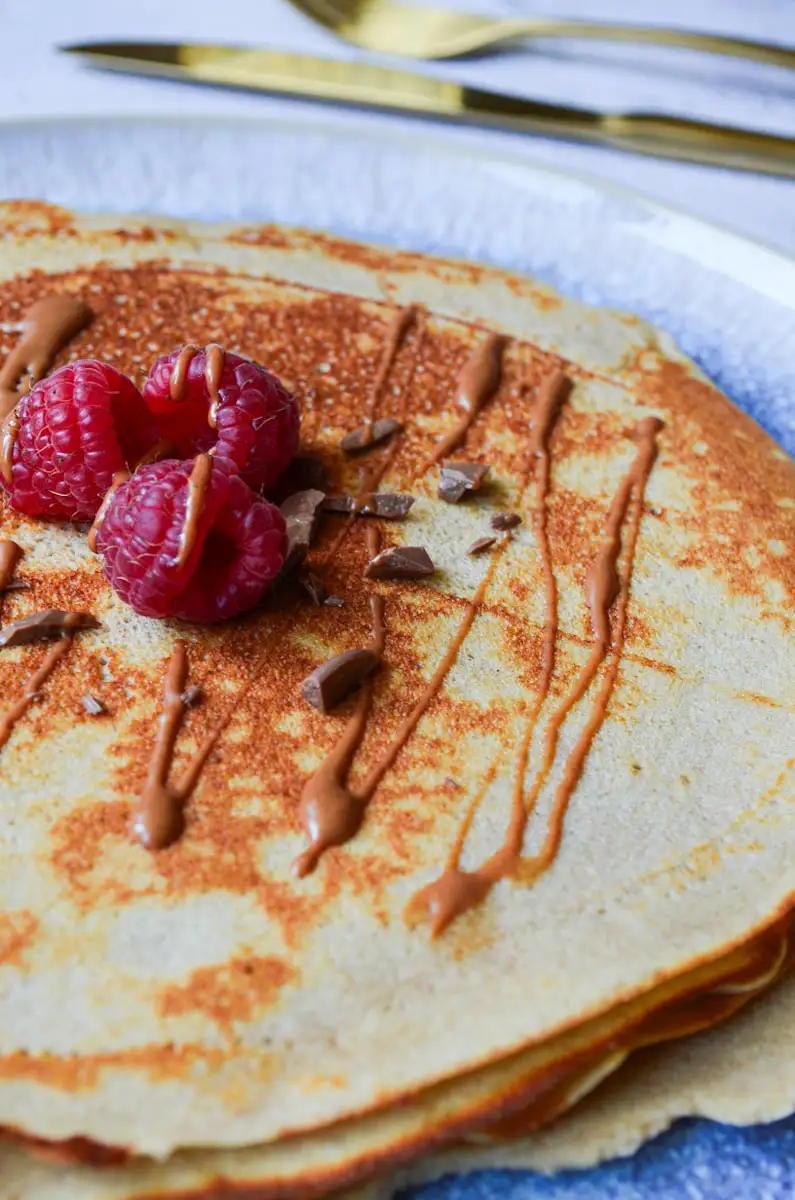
<point x="238" y="548"/>
<point x="255" y="417"/>
<point x="74" y="431"/>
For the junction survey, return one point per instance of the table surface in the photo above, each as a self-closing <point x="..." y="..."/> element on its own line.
<point x="37" y="81"/>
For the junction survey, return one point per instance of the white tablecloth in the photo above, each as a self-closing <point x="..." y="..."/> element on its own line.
<point x="37" y="81"/>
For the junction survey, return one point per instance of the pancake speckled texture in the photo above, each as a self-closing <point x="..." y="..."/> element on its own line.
<point x="133" y="1018"/>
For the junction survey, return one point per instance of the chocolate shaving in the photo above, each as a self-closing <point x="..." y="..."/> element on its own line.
<point x="16" y="585"/>
<point x="457" y="478"/>
<point x="503" y="521"/>
<point x="369" y="435"/>
<point x="332" y="681"/>
<point x="192" y="696"/>
<point x="391" y="506"/>
<point x="49" y="623"/>
<point x="313" y="587"/>
<point x="93" y="706"/>
<point x="482" y="543"/>
<point x="334" y="602"/>
<point x="401" y="562"/>
<point x="300" y="515"/>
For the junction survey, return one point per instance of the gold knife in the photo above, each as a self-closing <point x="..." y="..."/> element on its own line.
<point x="367" y="86"/>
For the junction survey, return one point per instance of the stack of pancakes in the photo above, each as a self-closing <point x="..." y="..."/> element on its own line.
<point x="203" y="1021"/>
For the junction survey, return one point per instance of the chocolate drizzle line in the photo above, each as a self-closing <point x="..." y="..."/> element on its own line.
<point x="372" y="539"/>
<point x="603" y="587"/>
<point x="213" y="373"/>
<point x="10" y="555"/>
<point x="198" y="483"/>
<point x="403" y="321"/>
<point x="477" y="383"/>
<point x="434" y="685"/>
<point x="32" y="687"/>
<point x="160" y="818"/>
<point x="178" y="382"/>
<point x="456" y="890"/>
<point x="9" y="432"/>
<point x="431" y="689"/>
<point x="118" y="479"/>
<point x="399" y="326"/>
<point x="330" y="813"/>
<point x="50" y="324"/>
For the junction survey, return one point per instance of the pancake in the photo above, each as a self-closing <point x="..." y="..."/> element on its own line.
<point x="741" y="1073"/>
<point x="315" y="1163"/>
<point x="204" y="996"/>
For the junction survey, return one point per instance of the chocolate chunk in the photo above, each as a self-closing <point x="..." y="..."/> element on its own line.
<point x="193" y="696"/>
<point x="401" y="562"/>
<point x="334" y="602"/>
<point x="482" y="543"/>
<point x="369" y="435"/>
<point x="47" y="624"/>
<point x="391" y="506"/>
<point x="93" y="706"/>
<point x="457" y="478"/>
<point x="300" y="515"/>
<point x="313" y="587"/>
<point x="332" y="681"/>
<point x="505" y="520"/>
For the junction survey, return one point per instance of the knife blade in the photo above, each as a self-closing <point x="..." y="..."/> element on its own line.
<point x="364" y="85"/>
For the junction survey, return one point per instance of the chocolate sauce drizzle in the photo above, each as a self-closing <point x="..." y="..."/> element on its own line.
<point x="32" y="686"/>
<point x="10" y="555"/>
<point x="330" y="812"/>
<point x="399" y="326"/>
<point x="431" y="689"/>
<point x="178" y="383"/>
<point x="118" y="479"/>
<point x="477" y="383"/>
<point x="456" y="890"/>
<point x="352" y="807"/>
<point x="551" y="395"/>
<point x="198" y="483"/>
<point x="213" y="371"/>
<point x="50" y="324"/>
<point x="9" y="432"/>
<point x="402" y="322"/>
<point x="160" y="817"/>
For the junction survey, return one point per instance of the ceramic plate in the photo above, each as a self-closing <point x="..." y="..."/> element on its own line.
<point x="729" y="302"/>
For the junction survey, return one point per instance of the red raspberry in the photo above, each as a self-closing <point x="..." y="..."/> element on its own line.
<point x="75" y="429"/>
<point x="238" y="549"/>
<point x="256" y="418"/>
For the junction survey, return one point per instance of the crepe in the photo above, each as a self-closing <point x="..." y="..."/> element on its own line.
<point x="203" y="996"/>
<point x="740" y="1073"/>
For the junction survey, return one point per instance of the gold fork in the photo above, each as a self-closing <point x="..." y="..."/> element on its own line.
<point x="388" y="27"/>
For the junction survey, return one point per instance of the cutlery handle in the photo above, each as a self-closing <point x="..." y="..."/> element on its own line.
<point x="654" y="134"/>
<point x="651" y="35"/>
